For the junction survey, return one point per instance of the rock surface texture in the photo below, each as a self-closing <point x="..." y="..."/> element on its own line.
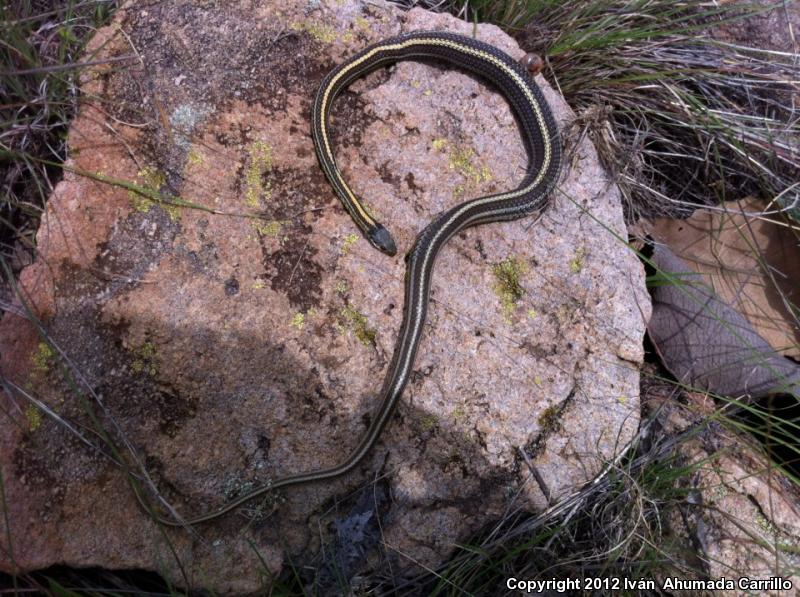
<point x="229" y="349"/>
<point x="741" y="516"/>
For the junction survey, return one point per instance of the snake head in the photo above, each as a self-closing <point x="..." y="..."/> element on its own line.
<point x="382" y="240"/>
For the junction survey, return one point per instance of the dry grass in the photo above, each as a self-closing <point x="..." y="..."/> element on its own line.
<point x="40" y="45"/>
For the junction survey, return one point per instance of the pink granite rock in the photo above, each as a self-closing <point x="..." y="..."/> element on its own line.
<point x="230" y="349"/>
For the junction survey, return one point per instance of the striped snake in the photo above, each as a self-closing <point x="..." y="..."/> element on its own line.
<point x="542" y="142"/>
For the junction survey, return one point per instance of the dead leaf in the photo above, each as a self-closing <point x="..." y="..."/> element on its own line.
<point x="751" y="263"/>
<point x="707" y="344"/>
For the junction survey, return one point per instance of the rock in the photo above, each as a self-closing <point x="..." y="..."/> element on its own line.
<point x="229" y="349"/>
<point x="740" y="518"/>
<point x="773" y="26"/>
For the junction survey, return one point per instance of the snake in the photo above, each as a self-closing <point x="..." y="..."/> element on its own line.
<point x="542" y="142"/>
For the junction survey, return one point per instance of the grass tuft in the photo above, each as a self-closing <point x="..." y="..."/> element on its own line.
<point x="39" y="56"/>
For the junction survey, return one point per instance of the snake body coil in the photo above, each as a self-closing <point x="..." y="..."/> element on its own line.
<point x="541" y="138"/>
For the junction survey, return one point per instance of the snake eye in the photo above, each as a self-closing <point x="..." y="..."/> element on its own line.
<point x="383" y="241"/>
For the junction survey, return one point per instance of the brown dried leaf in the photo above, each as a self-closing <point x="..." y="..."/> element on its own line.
<point x="751" y="263"/>
<point x="707" y="344"/>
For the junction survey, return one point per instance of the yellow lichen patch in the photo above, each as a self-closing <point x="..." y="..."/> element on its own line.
<point x="459" y="413"/>
<point x="147" y="350"/>
<point x="42" y="358"/>
<point x="259" y="284"/>
<point x="439" y="144"/>
<point x="271" y="229"/>
<point x="34" y="417"/>
<point x="172" y="211"/>
<point x="538" y="381"/>
<point x="341" y="286"/>
<point x="507" y="285"/>
<point x="358" y="323"/>
<point x="429" y="422"/>
<point x="299" y="320"/>
<point x="194" y="158"/>
<point x="348" y="243"/>
<point x="576" y="264"/>
<point x="259" y="163"/>
<point x="139" y="203"/>
<point x="151" y="180"/>
<point x="532" y="314"/>
<point x="144" y="361"/>
<point x="362" y="23"/>
<point x="319" y="31"/>
<point x="462" y="160"/>
<point x="149" y="194"/>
